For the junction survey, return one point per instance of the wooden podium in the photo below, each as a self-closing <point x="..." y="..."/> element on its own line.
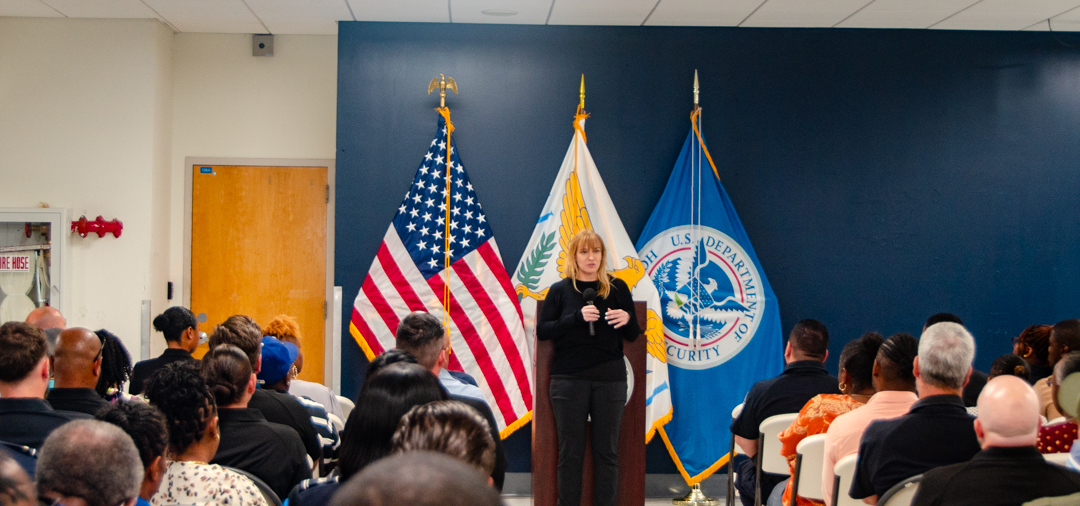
<point x="545" y="444"/>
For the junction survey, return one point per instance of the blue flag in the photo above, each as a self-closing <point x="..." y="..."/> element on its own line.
<point x="720" y="315"/>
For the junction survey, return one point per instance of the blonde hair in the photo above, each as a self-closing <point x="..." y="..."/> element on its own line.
<point x="285" y="328"/>
<point x="588" y="238"/>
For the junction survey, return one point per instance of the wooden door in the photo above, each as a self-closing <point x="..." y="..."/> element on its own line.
<point x="258" y="247"/>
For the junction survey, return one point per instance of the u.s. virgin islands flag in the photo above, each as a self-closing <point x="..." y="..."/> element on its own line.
<point x="579" y="200"/>
<point x="720" y="315"/>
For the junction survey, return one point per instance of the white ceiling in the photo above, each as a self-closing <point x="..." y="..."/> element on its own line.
<point x="321" y="16"/>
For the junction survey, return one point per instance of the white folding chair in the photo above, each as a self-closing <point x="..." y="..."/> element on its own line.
<point x="845" y="472"/>
<point x="902" y="493"/>
<point x="769" y="459"/>
<point x="730" y="499"/>
<point x="347" y="406"/>
<point x="809" y="460"/>
<point x="1057" y="458"/>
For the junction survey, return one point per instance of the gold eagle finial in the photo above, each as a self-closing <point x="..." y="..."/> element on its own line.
<point x="442" y="83"/>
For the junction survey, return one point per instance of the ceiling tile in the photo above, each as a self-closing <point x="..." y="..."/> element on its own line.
<point x="531" y="12"/>
<point x="428" y="11"/>
<point x="27" y="8"/>
<point x="208" y="16"/>
<point x="803" y="13"/>
<point x="102" y="8"/>
<point x="600" y="12"/>
<point x="701" y="13"/>
<point x="904" y="13"/>
<point x="1006" y="14"/>
<point x="307" y="17"/>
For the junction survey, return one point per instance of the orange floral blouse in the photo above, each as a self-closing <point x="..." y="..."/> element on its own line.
<point x="814" y="418"/>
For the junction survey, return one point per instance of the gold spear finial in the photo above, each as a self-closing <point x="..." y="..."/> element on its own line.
<point x="696" y="88"/>
<point x="442" y="82"/>
<point x="581" y="104"/>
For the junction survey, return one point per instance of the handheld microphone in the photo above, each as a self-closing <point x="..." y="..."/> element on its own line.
<point x="590" y="296"/>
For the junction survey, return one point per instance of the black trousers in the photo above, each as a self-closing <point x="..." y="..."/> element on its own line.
<point x="573" y="402"/>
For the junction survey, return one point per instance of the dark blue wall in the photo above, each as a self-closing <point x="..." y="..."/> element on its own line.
<point x="882" y="175"/>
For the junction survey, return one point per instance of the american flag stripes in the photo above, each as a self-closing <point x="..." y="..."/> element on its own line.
<point x="408" y="274"/>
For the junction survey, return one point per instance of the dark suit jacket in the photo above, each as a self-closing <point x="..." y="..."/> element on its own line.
<point x="283" y="408"/>
<point x="996" y="476"/>
<point x="79" y="400"/>
<point x="143" y="370"/>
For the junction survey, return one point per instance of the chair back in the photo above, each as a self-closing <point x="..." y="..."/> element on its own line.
<point x="1057" y="458"/>
<point x="811" y="452"/>
<point x="347" y="406"/>
<point x="737" y="411"/>
<point x="268" y="493"/>
<point x="902" y="493"/>
<point x="845" y="472"/>
<point x="770" y="428"/>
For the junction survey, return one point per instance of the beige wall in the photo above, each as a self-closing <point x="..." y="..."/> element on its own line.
<point x="98" y="115"/>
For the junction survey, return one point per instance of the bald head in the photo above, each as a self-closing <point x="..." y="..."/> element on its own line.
<point x="47" y="318"/>
<point x="1008" y="413"/>
<point x="77" y="359"/>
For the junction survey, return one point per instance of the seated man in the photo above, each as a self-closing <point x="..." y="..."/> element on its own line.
<point x="76" y="364"/>
<point x="286" y="329"/>
<point x="16" y="488"/>
<point x="1008" y="470"/>
<point x="89" y="462"/>
<point x="26" y="419"/>
<point x="50" y="320"/>
<point x="803" y="378"/>
<point x="417" y="479"/>
<point x="422" y="335"/>
<point x="181" y="331"/>
<point x="937" y="430"/>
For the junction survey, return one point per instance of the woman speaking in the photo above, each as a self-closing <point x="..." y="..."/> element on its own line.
<point x="588" y="315"/>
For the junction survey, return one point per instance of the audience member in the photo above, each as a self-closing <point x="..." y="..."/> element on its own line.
<point x="16" y="488"/>
<point x="856" y="387"/>
<point x="417" y="479"/>
<point x="181" y="331"/>
<point x="91" y="463"/>
<point x="26" y="419"/>
<point x="50" y="320"/>
<point x="422" y="335"/>
<point x="1033" y="345"/>
<point x="115" y="367"/>
<point x="180" y="393"/>
<point x="450" y="428"/>
<point x="146" y="427"/>
<point x="978" y="378"/>
<point x="241" y="331"/>
<point x="1008" y="364"/>
<point x="1064" y="337"/>
<point x="76" y="364"/>
<point x="498" y="475"/>
<point x="1008" y="470"/>
<point x="385" y="397"/>
<point x="277" y="372"/>
<point x="1059" y="437"/>
<point x="937" y="430"/>
<point x="270" y="451"/>
<point x="804" y="377"/>
<point x="286" y="329"/>
<point x="894" y="384"/>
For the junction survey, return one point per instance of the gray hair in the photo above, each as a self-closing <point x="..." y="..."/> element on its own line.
<point x="92" y="460"/>
<point x="1069" y="363"/>
<point x="946" y="351"/>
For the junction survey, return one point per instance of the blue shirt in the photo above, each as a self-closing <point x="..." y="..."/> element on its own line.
<point x="455" y="386"/>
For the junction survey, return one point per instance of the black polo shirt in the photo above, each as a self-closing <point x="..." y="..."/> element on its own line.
<point x="786" y="393"/>
<point x="28" y="421"/>
<point x="143" y="370"/>
<point x="79" y="400"/>
<point x="936" y="432"/>
<point x="996" y="475"/>
<point x="280" y="407"/>
<point x="271" y="451"/>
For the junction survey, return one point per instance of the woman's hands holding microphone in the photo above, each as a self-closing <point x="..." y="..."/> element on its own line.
<point x="615" y="317"/>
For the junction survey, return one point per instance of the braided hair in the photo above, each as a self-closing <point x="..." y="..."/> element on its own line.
<point x="899" y="352"/>
<point x="144" y="423"/>
<point x="115" y="363"/>
<point x="180" y="392"/>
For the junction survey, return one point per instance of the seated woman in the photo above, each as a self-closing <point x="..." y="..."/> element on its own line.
<point x="181" y="394"/>
<point x="1059" y="437"/>
<point x="272" y="452"/>
<point x="1033" y="345"/>
<point x="1009" y="364"/>
<point x="856" y="383"/>
<point x="388" y="393"/>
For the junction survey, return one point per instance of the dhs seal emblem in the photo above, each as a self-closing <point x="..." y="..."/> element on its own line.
<point x="711" y="295"/>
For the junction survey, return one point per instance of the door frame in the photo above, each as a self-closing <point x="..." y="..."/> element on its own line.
<point x="331" y="363"/>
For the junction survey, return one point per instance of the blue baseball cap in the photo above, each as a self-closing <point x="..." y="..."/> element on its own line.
<point x="277" y="359"/>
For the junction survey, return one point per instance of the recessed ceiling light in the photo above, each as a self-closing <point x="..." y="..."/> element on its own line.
<point x="499" y="12"/>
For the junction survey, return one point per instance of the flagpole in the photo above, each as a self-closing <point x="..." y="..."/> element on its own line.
<point x="443" y="82"/>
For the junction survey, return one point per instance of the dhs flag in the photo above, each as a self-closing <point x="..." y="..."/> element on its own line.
<point x="439" y="253"/>
<point x="720" y="315"/>
<point x="579" y="200"/>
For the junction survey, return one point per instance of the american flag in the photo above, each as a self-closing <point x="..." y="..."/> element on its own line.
<point x="485" y="324"/>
